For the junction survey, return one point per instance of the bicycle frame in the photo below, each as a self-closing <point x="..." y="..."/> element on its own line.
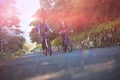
<point x="47" y="45"/>
<point x="67" y="44"/>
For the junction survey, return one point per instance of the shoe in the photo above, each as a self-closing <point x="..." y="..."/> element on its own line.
<point x="50" y="54"/>
<point x="43" y="51"/>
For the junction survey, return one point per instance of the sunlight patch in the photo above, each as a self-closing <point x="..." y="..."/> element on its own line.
<point x="45" y="63"/>
<point x="48" y="76"/>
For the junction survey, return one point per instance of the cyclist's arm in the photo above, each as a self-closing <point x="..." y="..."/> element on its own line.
<point x="49" y="28"/>
<point x="38" y="28"/>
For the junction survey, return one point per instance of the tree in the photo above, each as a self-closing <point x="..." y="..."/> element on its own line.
<point x="81" y="12"/>
<point x="81" y="15"/>
<point x="8" y="13"/>
<point x="14" y="44"/>
<point x="11" y="38"/>
<point x="34" y="35"/>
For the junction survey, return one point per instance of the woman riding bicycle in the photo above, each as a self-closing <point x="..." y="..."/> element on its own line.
<point x="64" y="32"/>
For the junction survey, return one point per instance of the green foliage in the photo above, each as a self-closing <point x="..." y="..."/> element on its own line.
<point x="37" y="48"/>
<point x="28" y="47"/>
<point x="57" y="42"/>
<point x="99" y="28"/>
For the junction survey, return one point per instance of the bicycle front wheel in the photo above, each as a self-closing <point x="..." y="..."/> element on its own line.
<point x="48" y="48"/>
<point x="69" y="47"/>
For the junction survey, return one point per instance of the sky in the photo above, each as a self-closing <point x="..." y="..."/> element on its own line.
<point x="26" y="8"/>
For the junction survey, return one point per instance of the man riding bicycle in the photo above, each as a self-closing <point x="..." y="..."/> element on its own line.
<point x="43" y="28"/>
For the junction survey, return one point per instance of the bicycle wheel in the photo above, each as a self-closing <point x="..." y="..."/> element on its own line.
<point x="69" y="47"/>
<point x="48" y="47"/>
<point x="64" y="48"/>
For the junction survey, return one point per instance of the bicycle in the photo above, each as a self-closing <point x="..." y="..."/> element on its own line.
<point x="48" y="49"/>
<point x="67" y="44"/>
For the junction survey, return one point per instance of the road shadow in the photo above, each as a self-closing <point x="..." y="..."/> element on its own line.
<point x="84" y="64"/>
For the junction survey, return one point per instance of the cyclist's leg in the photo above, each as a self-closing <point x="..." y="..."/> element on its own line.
<point x="48" y="46"/>
<point x="63" y="42"/>
<point x="69" y="45"/>
<point x="50" y="49"/>
<point x="43" y="44"/>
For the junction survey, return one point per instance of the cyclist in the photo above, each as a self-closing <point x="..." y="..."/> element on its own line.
<point x="63" y="31"/>
<point x="42" y="29"/>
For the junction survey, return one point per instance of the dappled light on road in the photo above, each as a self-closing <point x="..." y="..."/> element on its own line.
<point x="101" y="66"/>
<point x="77" y="72"/>
<point x="45" y="63"/>
<point x="48" y="76"/>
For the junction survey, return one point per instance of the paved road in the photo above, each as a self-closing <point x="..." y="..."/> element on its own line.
<point x="83" y="64"/>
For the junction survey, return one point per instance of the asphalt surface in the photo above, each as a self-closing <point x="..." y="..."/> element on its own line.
<point x="83" y="64"/>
